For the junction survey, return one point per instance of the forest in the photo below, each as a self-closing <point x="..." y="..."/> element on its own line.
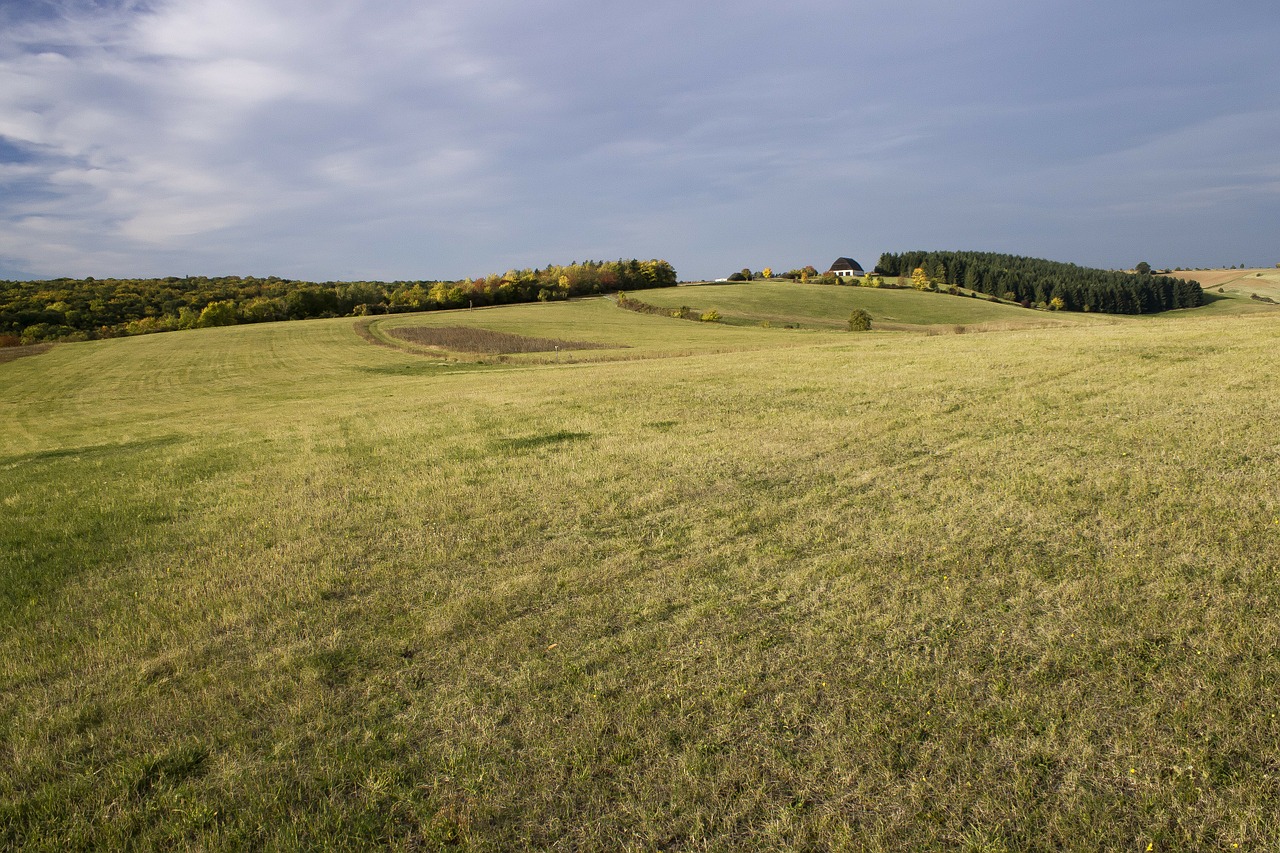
<point x="1034" y="281"/>
<point x="67" y="309"/>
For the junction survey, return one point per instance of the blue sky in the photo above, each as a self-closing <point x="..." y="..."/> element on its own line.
<point x="407" y="139"/>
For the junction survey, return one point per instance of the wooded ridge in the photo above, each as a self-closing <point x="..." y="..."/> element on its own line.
<point x="1035" y="281"/>
<point x="68" y="309"/>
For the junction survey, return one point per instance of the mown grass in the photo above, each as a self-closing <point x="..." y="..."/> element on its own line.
<point x="272" y="587"/>
<point x="475" y="340"/>
<point x="617" y="334"/>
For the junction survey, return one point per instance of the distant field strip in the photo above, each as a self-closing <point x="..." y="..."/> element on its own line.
<point x="14" y="353"/>
<point x="486" y="341"/>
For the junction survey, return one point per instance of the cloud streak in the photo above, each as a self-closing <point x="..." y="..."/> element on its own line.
<point x="395" y="139"/>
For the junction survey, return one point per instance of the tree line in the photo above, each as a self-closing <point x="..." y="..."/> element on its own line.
<point x="67" y="309"/>
<point x="1034" y="281"/>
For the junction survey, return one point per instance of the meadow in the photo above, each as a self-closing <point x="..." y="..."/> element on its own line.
<point x="785" y="303"/>
<point x="1239" y="283"/>
<point x="707" y="587"/>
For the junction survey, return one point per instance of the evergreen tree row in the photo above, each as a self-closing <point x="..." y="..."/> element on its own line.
<point x="85" y="309"/>
<point x="1034" y="281"/>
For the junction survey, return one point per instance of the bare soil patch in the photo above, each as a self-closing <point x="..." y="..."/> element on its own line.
<point x="466" y="339"/>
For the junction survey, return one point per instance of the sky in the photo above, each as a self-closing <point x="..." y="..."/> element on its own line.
<point x="437" y="139"/>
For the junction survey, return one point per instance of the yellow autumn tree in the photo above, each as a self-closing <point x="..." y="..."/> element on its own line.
<point x="919" y="279"/>
<point x="766" y="273"/>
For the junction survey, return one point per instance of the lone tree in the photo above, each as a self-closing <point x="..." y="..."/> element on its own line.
<point x="859" y="321"/>
<point x="1143" y="268"/>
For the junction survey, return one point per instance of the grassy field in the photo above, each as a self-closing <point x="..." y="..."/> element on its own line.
<point x="1238" y="283"/>
<point x="600" y="322"/>
<point x="828" y="307"/>
<point x="738" y="588"/>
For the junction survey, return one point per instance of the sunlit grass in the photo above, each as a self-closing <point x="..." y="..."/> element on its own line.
<point x="1230" y="292"/>
<point x="828" y="306"/>
<point x="274" y="586"/>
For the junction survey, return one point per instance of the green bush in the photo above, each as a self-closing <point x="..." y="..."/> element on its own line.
<point x="859" y="321"/>
<point x="221" y="313"/>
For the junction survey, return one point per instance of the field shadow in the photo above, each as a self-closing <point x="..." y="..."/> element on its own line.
<point x="417" y="368"/>
<point x="89" y="450"/>
<point x="486" y="341"/>
<point x="533" y="442"/>
<point x="14" y="353"/>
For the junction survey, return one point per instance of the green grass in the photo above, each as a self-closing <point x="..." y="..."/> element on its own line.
<point x="600" y="321"/>
<point x="274" y="586"/>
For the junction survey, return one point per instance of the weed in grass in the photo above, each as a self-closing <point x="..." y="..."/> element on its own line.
<point x="531" y="442"/>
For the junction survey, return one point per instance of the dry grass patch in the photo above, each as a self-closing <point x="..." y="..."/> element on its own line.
<point x="486" y="341"/>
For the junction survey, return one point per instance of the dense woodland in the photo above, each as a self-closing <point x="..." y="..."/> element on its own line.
<point x="1033" y="281"/>
<point x="84" y="309"/>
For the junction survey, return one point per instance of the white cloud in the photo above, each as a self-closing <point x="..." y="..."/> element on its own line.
<point x="163" y="128"/>
<point x="396" y="137"/>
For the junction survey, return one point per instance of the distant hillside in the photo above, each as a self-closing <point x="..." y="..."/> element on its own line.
<point x="818" y="306"/>
<point x="1260" y="282"/>
<point x="1034" y="281"/>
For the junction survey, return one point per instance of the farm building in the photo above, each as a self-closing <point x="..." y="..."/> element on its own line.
<point x="845" y="268"/>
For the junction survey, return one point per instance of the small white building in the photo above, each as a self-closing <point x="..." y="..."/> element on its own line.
<point x="846" y="268"/>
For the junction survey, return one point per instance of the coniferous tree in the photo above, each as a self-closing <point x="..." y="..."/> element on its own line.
<point x="1036" y="280"/>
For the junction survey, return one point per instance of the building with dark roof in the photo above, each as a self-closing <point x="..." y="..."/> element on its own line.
<point x="845" y="268"/>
